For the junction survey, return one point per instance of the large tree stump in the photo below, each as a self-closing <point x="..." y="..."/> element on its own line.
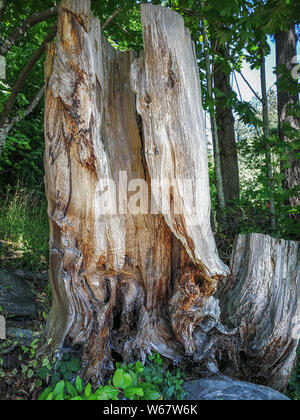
<point x="112" y="275"/>
<point x="133" y="261"/>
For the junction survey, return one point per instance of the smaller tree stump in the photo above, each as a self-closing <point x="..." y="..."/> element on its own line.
<point x="264" y="304"/>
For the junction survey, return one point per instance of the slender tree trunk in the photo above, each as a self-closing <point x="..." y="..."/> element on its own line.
<point x="213" y="123"/>
<point x="286" y="52"/>
<point x="131" y="273"/>
<point x="4" y="132"/>
<point x="226" y="134"/>
<point x="266" y="131"/>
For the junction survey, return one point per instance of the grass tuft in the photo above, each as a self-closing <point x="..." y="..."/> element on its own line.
<point x="24" y="230"/>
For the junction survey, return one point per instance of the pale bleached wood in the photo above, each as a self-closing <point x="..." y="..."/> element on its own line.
<point x="167" y="84"/>
<point x="166" y="81"/>
<point x="110" y="275"/>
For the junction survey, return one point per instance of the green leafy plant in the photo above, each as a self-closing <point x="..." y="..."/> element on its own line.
<point x="29" y="361"/>
<point x="133" y="381"/>
<point x="169" y="381"/>
<point x="64" y="368"/>
<point x="64" y="390"/>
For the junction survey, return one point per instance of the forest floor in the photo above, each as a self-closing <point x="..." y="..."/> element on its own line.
<point x="19" y="356"/>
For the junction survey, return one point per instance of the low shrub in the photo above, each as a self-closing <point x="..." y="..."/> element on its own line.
<point x="150" y="381"/>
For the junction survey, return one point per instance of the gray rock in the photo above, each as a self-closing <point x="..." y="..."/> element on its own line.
<point x="218" y="388"/>
<point x="17" y="297"/>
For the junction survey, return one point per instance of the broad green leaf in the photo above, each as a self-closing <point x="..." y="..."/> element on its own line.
<point x="131" y="392"/>
<point x="78" y="384"/>
<point x="50" y="397"/>
<point x="151" y="395"/>
<point x="118" y="378"/>
<point x="66" y="357"/>
<point x="59" y="388"/>
<point x="127" y="381"/>
<point x="109" y="392"/>
<point x="88" y="390"/>
<point x="44" y="395"/>
<point x="68" y="376"/>
<point x="73" y="365"/>
<point x="71" y="389"/>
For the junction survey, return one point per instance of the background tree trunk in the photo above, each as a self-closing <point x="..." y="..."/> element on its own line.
<point x="286" y="52"/>
<point x="24" y="27"/>
<point x="227" y="143"/>
<point x="266" y="131"/>
<point x="213" y="123"/>
<point x="226" y="134"/>
<point x="6" y="121"/>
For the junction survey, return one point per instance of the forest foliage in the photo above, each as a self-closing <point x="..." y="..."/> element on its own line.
<point x="238" y="32"/>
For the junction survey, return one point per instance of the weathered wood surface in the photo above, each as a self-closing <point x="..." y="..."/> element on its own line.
<point x="111" y="275"/>
<point x="166" y="81"/>
<point x="264" y="305"/>
<point x="127" y="282"/>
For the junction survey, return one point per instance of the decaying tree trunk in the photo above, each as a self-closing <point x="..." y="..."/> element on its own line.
<point x="112" y="275"/>
<point x="264" y="305"/>
<point x="289" y="124"/>
<point x="136" y="275"/>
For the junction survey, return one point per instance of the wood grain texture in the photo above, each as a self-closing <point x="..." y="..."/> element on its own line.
<point x="111" y="275"/>
<point x="167" y="84"/>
